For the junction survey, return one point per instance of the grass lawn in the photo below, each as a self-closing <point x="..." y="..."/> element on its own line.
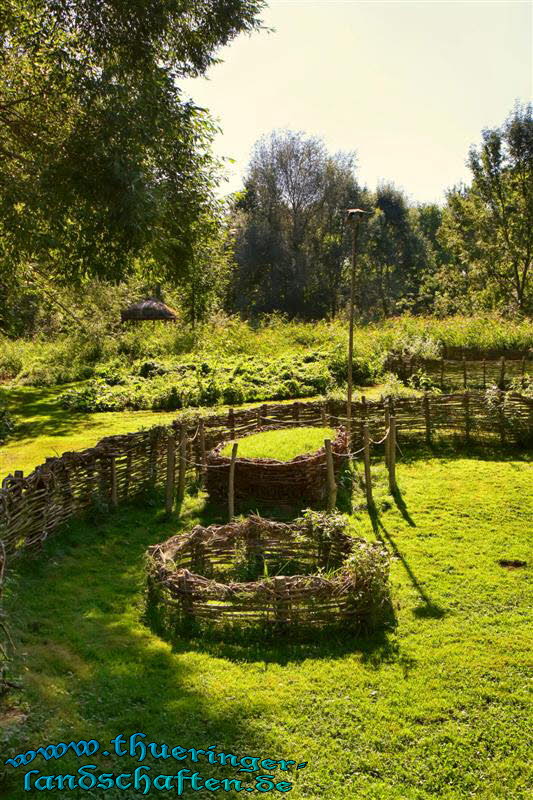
<point x="434" y="708"/>
<point x="282" y="445"/>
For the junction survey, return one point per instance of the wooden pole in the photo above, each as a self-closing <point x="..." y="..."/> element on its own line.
<point x="501" y="416"/>
<point x="231" y="482"/>
<point x="182" y="464"/>
<point x="464" y="373"/>
<point x="330" y="472"/>
<point x="171" y="464"/>
<point x="355" y="230"/>
<point x="203" y="456"/>
<point x="442" y="374"/>
<point x="502" y="373"/>
<point x="427" y="417"/>
<point x="387" y="426"/>
<point x="392" y="456"/>
<point x="296" y="411"/>
<point x="466" y="403"/>
<point x="368" y="476"/>
<point x="113" y="477"/>
<point x="363" y="415"/>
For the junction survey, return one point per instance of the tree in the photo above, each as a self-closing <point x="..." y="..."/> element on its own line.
<point x="488" y="226"/>
<point x="289" y="241"/>
<point x="396" y="255"/>
<point x="102" y="162"/>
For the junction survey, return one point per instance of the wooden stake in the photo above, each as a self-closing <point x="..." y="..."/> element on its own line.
<point x="368" y="476"/>
<point x="387" y="426"/>
<point x="113" y="476"/>
<point x="231" y="482"/>
<point x="296" y="411"/>
<point x="330" y="472"/>
<point x="171" y="465"/>
<point x="502" y="373"/>
<point x="182" y="464"/>
<point x="427" y="417"/>
<point x="466" y="403"/>
<point x="203" y="458"/>
<point x="392" y="455"/>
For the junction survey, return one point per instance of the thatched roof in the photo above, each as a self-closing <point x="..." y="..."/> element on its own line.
<point x="149" y="309"/>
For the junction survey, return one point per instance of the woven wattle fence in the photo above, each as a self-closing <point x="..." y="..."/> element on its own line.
<point x="119" y="467"/>
<point x="464" y="371"/>
<point x="217" y="577"/>
<point x="301" y="482"/>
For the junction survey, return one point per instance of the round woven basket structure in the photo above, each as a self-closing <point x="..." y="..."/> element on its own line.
<point x="298" y="483"/>
<point x="265" y="575"/>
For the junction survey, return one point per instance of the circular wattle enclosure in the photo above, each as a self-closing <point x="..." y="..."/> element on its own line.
<point x="268" y="574"/>
<point x="300" y="482"/>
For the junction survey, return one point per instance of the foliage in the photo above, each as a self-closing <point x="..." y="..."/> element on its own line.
<point x="103" y="161"/>
<point x="290" y="238"/>
<point x="369" y="568"/>
<point x="488" y="226"/>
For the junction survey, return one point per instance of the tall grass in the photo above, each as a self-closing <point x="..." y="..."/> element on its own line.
<point x="82" y="353"/>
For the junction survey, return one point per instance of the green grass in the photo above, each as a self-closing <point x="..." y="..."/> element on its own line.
<point x="283" y="445"/>
<point x="436" y="708"/>
<point x="45" y="429"/>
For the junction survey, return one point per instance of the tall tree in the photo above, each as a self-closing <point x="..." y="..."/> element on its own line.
<point x="101" y="159"/>
<point x="489" y="225"/>
<point x="289" y="226"/>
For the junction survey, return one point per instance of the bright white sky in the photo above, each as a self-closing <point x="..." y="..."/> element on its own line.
<point x="408" y="85"/>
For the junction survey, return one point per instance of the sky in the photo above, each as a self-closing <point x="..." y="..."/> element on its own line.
<point x="408" y="85"/>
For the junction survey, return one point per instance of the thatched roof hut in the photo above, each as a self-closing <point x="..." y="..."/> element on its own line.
<point x="149" y="309"/>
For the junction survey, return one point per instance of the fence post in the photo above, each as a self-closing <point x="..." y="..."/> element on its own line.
<point x="387" y="431"/>
<point x="183" y="464"/>
<point x="368" y="476"/>
<point x="501" y="416"/>
<point x="231" y="422"/>
<point x="152" y="477"/>
<point x="171" y="464"/>
<point x="442" y="374"/>
<point x="264" y="413"/>
<point x="330" y="472"/>
<point x="502" y="372"/>
<point x="464" y="373"/>
<point x="231" y="482"/>
<point x="427" y="417"/>
<point x="203" y="459"/>
<point x="392" y="456"/>
<point x="296" y="411"/>
<point x="363" y="416"/>
<point x="113" y="476"/>
<point x="466" y="403"/>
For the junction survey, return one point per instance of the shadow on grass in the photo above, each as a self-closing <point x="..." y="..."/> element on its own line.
<point x="90" y="662"/>
<point x="402" y="508"/>
<point x="427" y="609"/>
